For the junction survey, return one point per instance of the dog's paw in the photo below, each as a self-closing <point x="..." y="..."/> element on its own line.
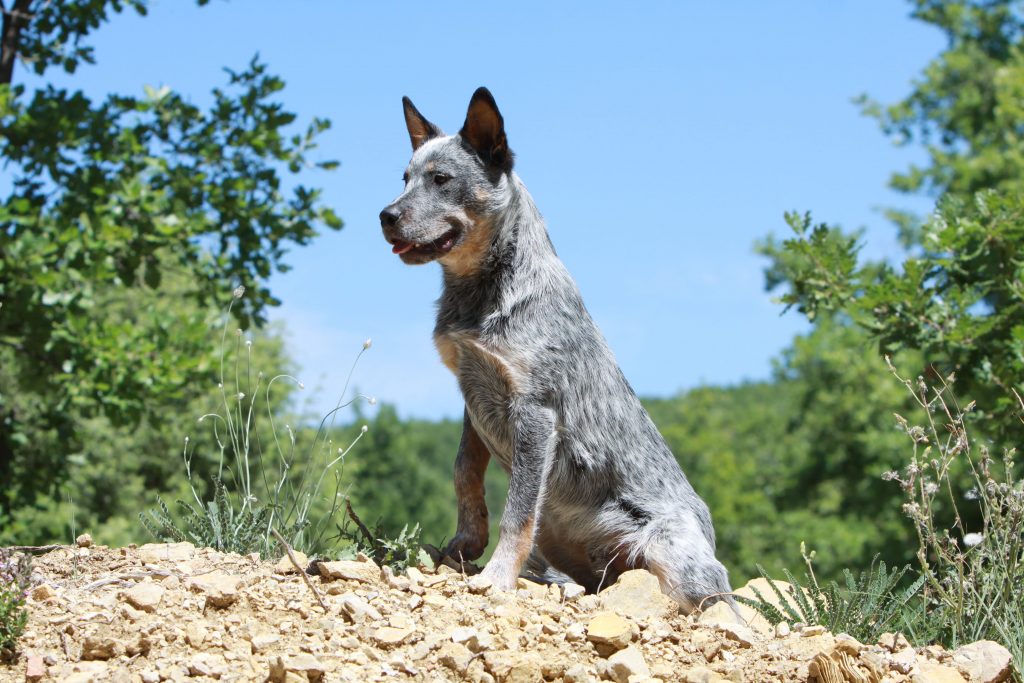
<point x="500" y="577"/>
<point x="465" y="547"/>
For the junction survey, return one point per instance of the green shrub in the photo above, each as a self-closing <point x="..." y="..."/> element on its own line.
<point x="15" y="572"/>
<point x="399" y="552"/>
<point x="968" y="511"/>
<point x="258" y="488"/>
<point x="867" y="605"/>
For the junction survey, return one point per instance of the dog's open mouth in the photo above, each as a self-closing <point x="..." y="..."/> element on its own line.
<point x="442" y="245"/>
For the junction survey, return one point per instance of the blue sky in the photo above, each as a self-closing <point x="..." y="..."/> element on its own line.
<point x="659" y="139"/>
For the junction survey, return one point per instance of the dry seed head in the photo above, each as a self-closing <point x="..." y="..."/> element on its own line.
<point x="238" y="292"/>
<point x="364" y="429"/>
<point x="367" y="344"/>
<point x="972" y="539"/>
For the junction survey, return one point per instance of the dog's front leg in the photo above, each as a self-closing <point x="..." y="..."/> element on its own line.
<point x="533" y="448"/>
<point x="470" y="466"/>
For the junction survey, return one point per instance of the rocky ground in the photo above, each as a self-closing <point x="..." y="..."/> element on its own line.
<point x="175" y="613"/>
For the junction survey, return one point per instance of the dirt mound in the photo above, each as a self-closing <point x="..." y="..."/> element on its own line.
<point x="172" y="612"/>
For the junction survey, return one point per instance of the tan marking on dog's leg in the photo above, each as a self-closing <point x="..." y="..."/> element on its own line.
<point x="470" y="466"/>
<point x="514" y="546"/>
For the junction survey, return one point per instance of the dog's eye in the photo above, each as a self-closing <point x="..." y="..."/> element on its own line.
<point x="441" y="178"/>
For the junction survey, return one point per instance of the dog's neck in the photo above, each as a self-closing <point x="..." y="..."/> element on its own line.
<point x="514" y="229"/>
<point x="519" y="252"/>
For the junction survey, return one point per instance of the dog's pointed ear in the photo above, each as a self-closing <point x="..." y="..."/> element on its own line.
<point x="420" y="130"/>
<point x="484" y="131"/>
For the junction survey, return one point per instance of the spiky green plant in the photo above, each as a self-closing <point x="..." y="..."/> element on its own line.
<point x="398" y="552"/>
<point x="869" y="603"/>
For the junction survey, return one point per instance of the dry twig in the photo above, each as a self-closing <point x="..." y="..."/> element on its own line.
<point x="302" y="570"/>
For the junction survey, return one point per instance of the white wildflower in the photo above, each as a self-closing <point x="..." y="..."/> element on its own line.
<point x="972" y="539"/>
<point x="367" y="344"/>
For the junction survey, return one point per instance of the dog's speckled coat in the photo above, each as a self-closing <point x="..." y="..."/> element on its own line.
<point x="594" y="489"/>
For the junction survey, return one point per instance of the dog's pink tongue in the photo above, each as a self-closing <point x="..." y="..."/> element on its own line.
<point x="401" y="247"/>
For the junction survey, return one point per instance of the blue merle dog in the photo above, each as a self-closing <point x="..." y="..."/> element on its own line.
<point x="593" y="488"/>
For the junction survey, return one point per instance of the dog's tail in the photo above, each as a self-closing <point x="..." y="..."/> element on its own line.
<point x="538" y="569"/>
<point x="686" y="566"/>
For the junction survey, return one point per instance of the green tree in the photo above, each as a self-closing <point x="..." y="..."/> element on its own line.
<point x="105" y="203"/>
<point x="957" y="297"/>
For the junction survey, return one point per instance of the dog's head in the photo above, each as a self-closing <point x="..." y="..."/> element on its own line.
<point x="451" y="189"/>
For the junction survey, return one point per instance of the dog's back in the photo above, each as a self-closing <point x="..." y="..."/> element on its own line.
<point x="594" y="488"/>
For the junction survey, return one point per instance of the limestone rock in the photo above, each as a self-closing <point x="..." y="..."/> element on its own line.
<point x="455" y="656"/>
<point x="984" y="661"/>
<point x="219" y="588"/>
<point x="261" y="641"/>
<point x="87" y="672"/>
<point x="577" y="674"/>
<point x="207" y="665"/>
<point x="903" y="660"/>
<point x="101" y="647"/>
<point x="472" y="639"/>
<point x="42" y="592"/>
<point x="195" y="634"/>
<point x="155" y="553"/>
<point x="737" y="632"/>
<point x="35" y="668"/>
<point x="626" y="663"/>
<point x="928" y="671"/>
<point x="357" y="609"/>
<point x="479" y="584"/>
<point x="572" y="591"/>
<point x="637" y="594"/>
<point x="306" y="665"/>
<point x="349" y="570"/>
<point x="510" y="666"/>
<point x="721" y="611"/>
<point x="145" y="596"/>
<point x="389" y="636"/>
<point x="610" y="632"/>
<point x="701" y="674"/>
<point x="849" y="644"/>
<point x="285" y="566"/>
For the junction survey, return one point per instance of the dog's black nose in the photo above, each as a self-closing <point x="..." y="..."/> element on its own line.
<point x="389" y="217"/>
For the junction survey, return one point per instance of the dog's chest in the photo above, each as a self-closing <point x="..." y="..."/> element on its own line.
<point x="489" y="380"/>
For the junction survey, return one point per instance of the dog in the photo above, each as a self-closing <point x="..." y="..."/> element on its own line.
<point x="593" y="488"/>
